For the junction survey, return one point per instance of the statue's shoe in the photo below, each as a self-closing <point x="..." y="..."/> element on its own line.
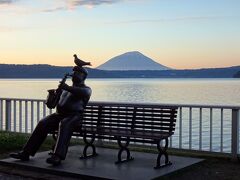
<point x="21" y="155"/>
<point x="54" y="160"/>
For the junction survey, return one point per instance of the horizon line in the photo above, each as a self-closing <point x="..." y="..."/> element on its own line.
<point x="123" y="70"/>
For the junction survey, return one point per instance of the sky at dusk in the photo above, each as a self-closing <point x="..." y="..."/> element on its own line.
<point x="180" y="34"/>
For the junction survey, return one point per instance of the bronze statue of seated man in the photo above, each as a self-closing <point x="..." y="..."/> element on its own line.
<point x="69" y="110"/>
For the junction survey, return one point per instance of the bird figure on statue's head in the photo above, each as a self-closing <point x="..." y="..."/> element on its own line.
<point x="80" y="62"/>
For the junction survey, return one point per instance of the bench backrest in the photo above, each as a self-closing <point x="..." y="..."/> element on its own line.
<point x="151" y="118"/>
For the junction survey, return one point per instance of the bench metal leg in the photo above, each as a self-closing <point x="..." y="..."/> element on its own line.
<point x="123" y="147"/>
<point x="162" y="152"/>
<point x="88" y="144"/>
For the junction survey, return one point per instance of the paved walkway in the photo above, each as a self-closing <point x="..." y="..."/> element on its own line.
<point x="4" y="176"/>
<point x="13" y="173"/>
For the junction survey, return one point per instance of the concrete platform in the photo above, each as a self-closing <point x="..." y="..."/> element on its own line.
<point x="103" y="166"/>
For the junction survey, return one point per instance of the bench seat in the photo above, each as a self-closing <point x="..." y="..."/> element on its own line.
<point x="128" y="133"/>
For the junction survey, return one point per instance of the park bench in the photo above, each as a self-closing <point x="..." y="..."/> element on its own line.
<point x="127" y="123"/>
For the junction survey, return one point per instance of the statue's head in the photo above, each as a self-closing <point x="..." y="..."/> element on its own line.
<point x="79" y="74"/>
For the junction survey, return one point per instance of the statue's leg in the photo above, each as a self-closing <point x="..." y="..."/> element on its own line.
<point x="65" y="130"/>
<point x="40" y="133"/>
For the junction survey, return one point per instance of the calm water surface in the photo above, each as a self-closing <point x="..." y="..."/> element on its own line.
<point x="184" y="91"/>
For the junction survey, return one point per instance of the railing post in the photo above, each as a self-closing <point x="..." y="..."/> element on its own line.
<point x="235" y="134"/>
<point x="180" y="128"/>
<point x="99" y="141"/>
<point x="1" y="114"/>
<point x="8" y="115"/>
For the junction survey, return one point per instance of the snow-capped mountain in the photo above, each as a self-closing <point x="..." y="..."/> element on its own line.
<point x="133" y="60"/>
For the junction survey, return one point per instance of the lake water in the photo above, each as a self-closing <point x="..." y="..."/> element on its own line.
<point x="184" y="91"/>
<point x="173" y="91"/>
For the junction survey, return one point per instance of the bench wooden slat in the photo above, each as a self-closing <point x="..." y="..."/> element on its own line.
<point x="159" y="116"/>
<point x="129" y="133"/>
<point x="163" y="120"/>
<point x="144" y="110"/>
<point x="156" y="110"/>
<point x="109" y="137"/>
<point x="137" y="123"/>
<point x="162" y="116"/>
<point x="129" y="112"/>
<point x="116" y="128"/>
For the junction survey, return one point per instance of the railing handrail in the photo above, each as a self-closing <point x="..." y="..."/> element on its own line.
<point x="150" y="104"/>
<point x="21" y="99"/>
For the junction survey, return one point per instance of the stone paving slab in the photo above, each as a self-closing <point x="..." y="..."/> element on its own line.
<point x="4" y="176"/>
<point x="103" y="166"/>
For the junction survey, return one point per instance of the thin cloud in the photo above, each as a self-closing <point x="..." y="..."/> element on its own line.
<point x="4" y="2"/>
<point x="61" y="5"/>
<point x="54" y="9"/>
<point x="73" y="4"/>
<point x="190" y="18"/>
<point x="92" y="2"/>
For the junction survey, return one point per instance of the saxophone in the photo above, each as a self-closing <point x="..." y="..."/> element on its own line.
<point x="54" y="94"/>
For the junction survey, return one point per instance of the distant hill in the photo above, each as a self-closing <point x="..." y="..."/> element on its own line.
<point x="48" y="71"/>
<point x="131" y="61"/>
<point x="41" y="71"/>
<point x="32" y="71"/>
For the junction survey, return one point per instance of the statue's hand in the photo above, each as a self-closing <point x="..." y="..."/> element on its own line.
<point x="63" y="86"/>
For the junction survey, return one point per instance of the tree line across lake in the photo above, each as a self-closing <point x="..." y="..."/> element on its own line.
<point x="48" y="71"/>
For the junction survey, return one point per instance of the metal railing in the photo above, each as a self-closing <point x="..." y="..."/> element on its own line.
<point x="207" y="128"/>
